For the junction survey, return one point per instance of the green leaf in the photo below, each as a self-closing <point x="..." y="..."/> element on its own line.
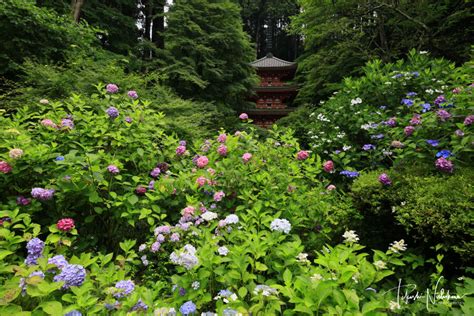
<point x="243" y="292"/>
<point x="132" y="199"/>
<point x="287" y="276"/>
<point x="260" y="266"/>
<point x="5" y="253"/>
<point x="52" y="308"/>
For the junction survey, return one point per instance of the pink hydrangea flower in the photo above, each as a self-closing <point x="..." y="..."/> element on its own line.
<point x="48" y="123"/>
<point x="201" y="181"/>
<point x="180" y="150"/>
<point x="112" y="88"/>
<point x="408" y="130"/>
<point x="140" y="190"/>
<point x="416" y="119"/>
<point x="65" y="224"/>
<point x="246" y="157"/>
<point x="133" y="94"/>
<point x="15" y="153"/>
<point x="5" y="167"/>
<point x="222" y="138"/>
<point x="302" y="155"/>
<point x="113" y="169"/>
<point x="457" y="90"/>
<point x="243" y="116"/>
<point x="188" y="211"/>
<point x="328" y="166"/>
<point x="202" y="161"/>
<point x="211" y="171"/>
<point x="331" y="187"/>
<point x="218" y="196"/>
<point x="222" y="150"/>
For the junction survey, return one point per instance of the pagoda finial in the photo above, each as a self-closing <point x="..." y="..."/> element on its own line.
<point x="269" y="55"/>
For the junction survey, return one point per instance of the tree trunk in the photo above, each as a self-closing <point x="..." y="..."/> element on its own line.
<point x="76" y="6"/>
<point x="159" y="24"/>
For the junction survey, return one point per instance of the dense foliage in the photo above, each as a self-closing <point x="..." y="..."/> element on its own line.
<point x="341" y="36"/>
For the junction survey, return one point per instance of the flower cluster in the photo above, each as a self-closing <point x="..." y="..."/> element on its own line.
<point x="71" y="275"/>
<point x="65" y="224"/>
<point x="124" y="287"/>
<point x="42" y="194"/>
<point x="186" y="257"/>
<point x="35" y="250"/>
<point x="280" y="225"/>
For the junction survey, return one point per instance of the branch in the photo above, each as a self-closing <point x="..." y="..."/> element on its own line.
<point x="406" y="16"/>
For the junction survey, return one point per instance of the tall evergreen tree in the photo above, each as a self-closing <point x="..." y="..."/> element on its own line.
<point x="208" y="51"/>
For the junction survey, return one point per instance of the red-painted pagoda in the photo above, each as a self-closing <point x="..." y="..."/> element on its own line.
<point x="273" y="95"/>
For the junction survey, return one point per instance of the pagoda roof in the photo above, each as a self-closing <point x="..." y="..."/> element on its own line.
<point x="271" y="62"/>
<point x="284" y="88"/>
<point x="270" y="112"/>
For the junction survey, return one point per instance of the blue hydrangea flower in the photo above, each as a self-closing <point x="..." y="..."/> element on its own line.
<point x="426" y="107"/>
<point x="188" y="308"/>
<point x="367" y="147"/>
<point x="407" y="102"/>
<point x="349" y="174"/>
<point x="71" y="275"/>
<point x="383" y="107"/>
<point x="411" y="94"/>
<point x="73" y="313"/>
<point x="415" y="74"/>
<point x="126" y="287"/>
<point x="443" y="153"/>
<point x="59" y="158"/>
<point x="433" y="142"/>
<point x="59" y="261"/>
<point x="377" y="136"/>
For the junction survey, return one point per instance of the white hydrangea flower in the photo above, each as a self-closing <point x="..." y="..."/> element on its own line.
<point x="223" y="251"/>
<point x="195" y="285"/>
<point x="280" y="225"/>
<point x="380" y="264"/>
<point x="350" y="236"/>
<point x="356" y="101"/>
<point x="398" y="246"/>
<point x="302" y="257"/>
<point x="265" y="290"/>
<point x="209" y="216"/>
<point x="316" y="277"/>
<point x="231" y="219"/>
<point x="394" y="305"/>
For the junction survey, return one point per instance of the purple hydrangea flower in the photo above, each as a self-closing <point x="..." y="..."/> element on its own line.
<point x="459" y="133"/>
<point x="182" y="143"/>
<point x="112" y="88"/>
<point x="35" y="250"/>
<point x="139" y="306"/>
<point x="126" y="287"/>
<point x="469" y="120"/>
<point x="218" y="196"/>
<point x="391" y="122"/>
<point x="188" y="308"/>
<point x="21" y="200"/>
<point x="73" y="313"/>
<point x="182" y="291"/>
<point x="160" y="238"/>
<point x="174" y="237"/>
<point x="367" y="147"/>
<point x="165" y="229"/>
<point x="151" y="185"/>
<point x="155" y="247"/>
<point x="440" y="99"/>
<point x="133" y="94"/>
<point x="59" y="261"/>
<point x="112" y="112"/>
<point x="444" y="165"/>
<point x="67" y="123"/>
<point x="384" y="179"/>
<point x="71" y="275"/>
<point x="155" y="172"/>
<point x="443" y="115"/>
<point x="113" y="169"/>
<point x="128" y="119"/>
<point x="411" y="94"/>
<point x="222" y="138"/>
<point x="408" y="130"/>
<point x="42" y="194"/>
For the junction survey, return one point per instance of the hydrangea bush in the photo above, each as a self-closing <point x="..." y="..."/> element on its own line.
<point x="103" y="212"/>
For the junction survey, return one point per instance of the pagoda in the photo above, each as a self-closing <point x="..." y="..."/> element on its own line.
<point x="272" y="96"/>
